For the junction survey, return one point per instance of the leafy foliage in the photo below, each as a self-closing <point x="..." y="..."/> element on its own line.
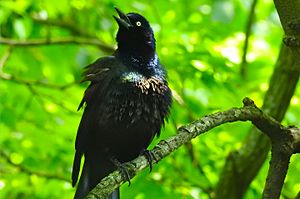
<point x="200" y="43"/>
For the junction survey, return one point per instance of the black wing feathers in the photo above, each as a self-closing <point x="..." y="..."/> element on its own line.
<point x="76" y="167"/>
<point x="97" y="73"/>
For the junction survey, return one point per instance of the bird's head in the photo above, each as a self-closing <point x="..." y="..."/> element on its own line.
<point x="134" y="32"/>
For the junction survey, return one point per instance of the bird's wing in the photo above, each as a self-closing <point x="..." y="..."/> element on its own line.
<point x="96" y="73"/>
<point x="100" y="74"/>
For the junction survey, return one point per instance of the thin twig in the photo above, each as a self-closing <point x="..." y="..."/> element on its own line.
<point x="251" y="17"/>
<point x="26" y="107"/>
<point x="5" y="58"/>
<point x="63" y="24"/>
<point x="39" y="99"/>
<point x="55" y="101"/>
<point x="57" y="41"/>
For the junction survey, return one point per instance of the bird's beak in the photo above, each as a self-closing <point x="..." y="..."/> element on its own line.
<point x="123" y="21"/>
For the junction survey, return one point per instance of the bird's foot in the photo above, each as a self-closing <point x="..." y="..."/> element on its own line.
<point x="150" y="157"/>
<point x="122" y="168"/>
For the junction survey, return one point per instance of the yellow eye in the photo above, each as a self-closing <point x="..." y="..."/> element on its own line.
<point x="138" y="23"/>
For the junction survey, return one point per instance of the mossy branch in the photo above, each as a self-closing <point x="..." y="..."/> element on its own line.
<point x="285" y="141"/>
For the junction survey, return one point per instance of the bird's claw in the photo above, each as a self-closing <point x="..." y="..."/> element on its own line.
<point x="122" y="168"/>
<point x="125" y="173"/>
<point x="150" y="157"/>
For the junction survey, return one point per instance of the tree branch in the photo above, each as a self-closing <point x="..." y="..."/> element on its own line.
<point x="255" y="148"/>
<point x="57" y="41"/>
<point x="62" y="24"/>
<point x="251" y="16"/>
<point x="249" y="158"/>
<point x="289" y="14"/>
<point x="298" y="195"/>
<point x="186" y="133"/>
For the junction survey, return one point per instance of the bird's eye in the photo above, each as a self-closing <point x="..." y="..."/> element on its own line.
<point x="138" y="23"/>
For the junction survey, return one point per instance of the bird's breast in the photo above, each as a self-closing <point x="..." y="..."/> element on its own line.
<point x="143" y="84"/>
<point x="139" y="99"/>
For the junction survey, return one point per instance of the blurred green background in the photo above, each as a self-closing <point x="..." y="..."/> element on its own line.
<point x="200" y="43"/>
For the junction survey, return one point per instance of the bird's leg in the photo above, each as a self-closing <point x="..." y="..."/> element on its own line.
<point x="122" y="168"/>
<point x="150" y="157"/>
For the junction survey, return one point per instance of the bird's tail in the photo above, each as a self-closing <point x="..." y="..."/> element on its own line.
<point x="115" y="194"/>
<point x="83" y="187"/>
<point x="76" y="167"/>
<point x="93" y="171"/>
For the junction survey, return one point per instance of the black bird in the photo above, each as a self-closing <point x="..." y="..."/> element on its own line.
<point x="124" y="106"/>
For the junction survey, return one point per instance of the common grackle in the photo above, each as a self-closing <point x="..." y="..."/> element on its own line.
<point x="124" y="106"/>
